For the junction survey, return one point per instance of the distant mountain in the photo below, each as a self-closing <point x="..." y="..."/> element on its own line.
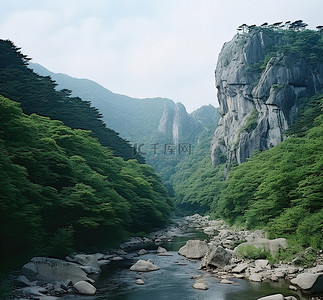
<point x="145" y="122"/>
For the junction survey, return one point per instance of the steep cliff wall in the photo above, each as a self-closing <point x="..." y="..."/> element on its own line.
<point x="177" y="122"/>
<point x="258" y="105"/>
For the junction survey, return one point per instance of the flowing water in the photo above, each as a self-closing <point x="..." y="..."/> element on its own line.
<point x="173" y="280"/>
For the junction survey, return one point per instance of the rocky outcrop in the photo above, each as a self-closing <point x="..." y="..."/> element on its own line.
<point x="194" y="249"/>
<point x="257" y="107"/>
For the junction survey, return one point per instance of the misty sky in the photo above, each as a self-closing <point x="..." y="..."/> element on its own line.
<point x="141" y="48"/>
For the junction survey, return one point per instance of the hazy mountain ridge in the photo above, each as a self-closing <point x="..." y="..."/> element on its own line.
<point x="133" y="118"/>
<point x="145" y="122"/>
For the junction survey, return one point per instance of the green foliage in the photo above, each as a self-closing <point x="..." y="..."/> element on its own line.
<point x="281" y="188"/>
<point x="197" y="184"/>
<point x="37" y="94"/>
<point x="62" y="190"/>
<point x="307" y="45"/>
<point x="138" y="120"/>
<point x="306" y="116"/>
<point x="251" y="121"/>
<point x="252" y="252"/>
<point x="6" y="287"/>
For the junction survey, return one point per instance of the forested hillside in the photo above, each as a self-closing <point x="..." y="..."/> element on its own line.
<point x="196" y="182"/>
<point x="37" y="94"/>
<point x="280" y="189"/>
<point x="152" y="123"/>
<point x="62" y="189"/>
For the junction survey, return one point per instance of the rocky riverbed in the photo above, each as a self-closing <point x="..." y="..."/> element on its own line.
<point x="215" y="257"/>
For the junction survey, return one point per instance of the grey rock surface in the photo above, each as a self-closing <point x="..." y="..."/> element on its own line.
<point x="144" y="266"/>
<point x="272" y="245"/>
<point x="51" y="269"/>
<point x="216" y="257"/>
<point x="84" y="288"/>
<point x="256" y="108"/>
<point x="308" y="281"/>
<point x="194" y="249"/>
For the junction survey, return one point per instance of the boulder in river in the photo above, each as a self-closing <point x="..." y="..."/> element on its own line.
<point x="144" y="266"/>
<point x="310" y="282"/>
<point x="85" y="288"/>
<point x="200" y="286"/>
<point x="161" y="250"/>
<point x="216" y="257"/>
<point x="52" y="269"/>
<point x="142" y="252"/>
<point x="194" y="249"/>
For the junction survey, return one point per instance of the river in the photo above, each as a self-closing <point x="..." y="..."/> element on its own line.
<point x="174" y="279"/>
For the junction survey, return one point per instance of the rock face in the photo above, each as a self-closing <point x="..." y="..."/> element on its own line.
<point x="257" y="107"/>
<point x="194" y="249"/>
<point x="177" y="122"/>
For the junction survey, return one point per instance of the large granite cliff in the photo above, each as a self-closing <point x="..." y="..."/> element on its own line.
<point x="177" y="122"/>
<point x="258" y="105"/>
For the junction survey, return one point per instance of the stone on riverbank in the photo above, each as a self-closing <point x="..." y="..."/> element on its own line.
<point x="90" y="269"/>
<point x="216" y="257"/>
<point x="261" y="263"/>
<point x="84" y="288"/>
<point x="308" y="281"/>
<point x="84" y="259"/>
<point x="271" y="245"/>
<point x="240" y="268"/>
<point x="194" y="249"/>
<point x="144" y="266"/>
<point x="51" y="269"/>
<point x="255" y="277"/>
<point x="23" y="281"/>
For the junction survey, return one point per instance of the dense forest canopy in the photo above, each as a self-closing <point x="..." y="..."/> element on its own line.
<point x="48" y="169"/>
<point x="67" y="182"/>
<point x="37" y="94"/>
